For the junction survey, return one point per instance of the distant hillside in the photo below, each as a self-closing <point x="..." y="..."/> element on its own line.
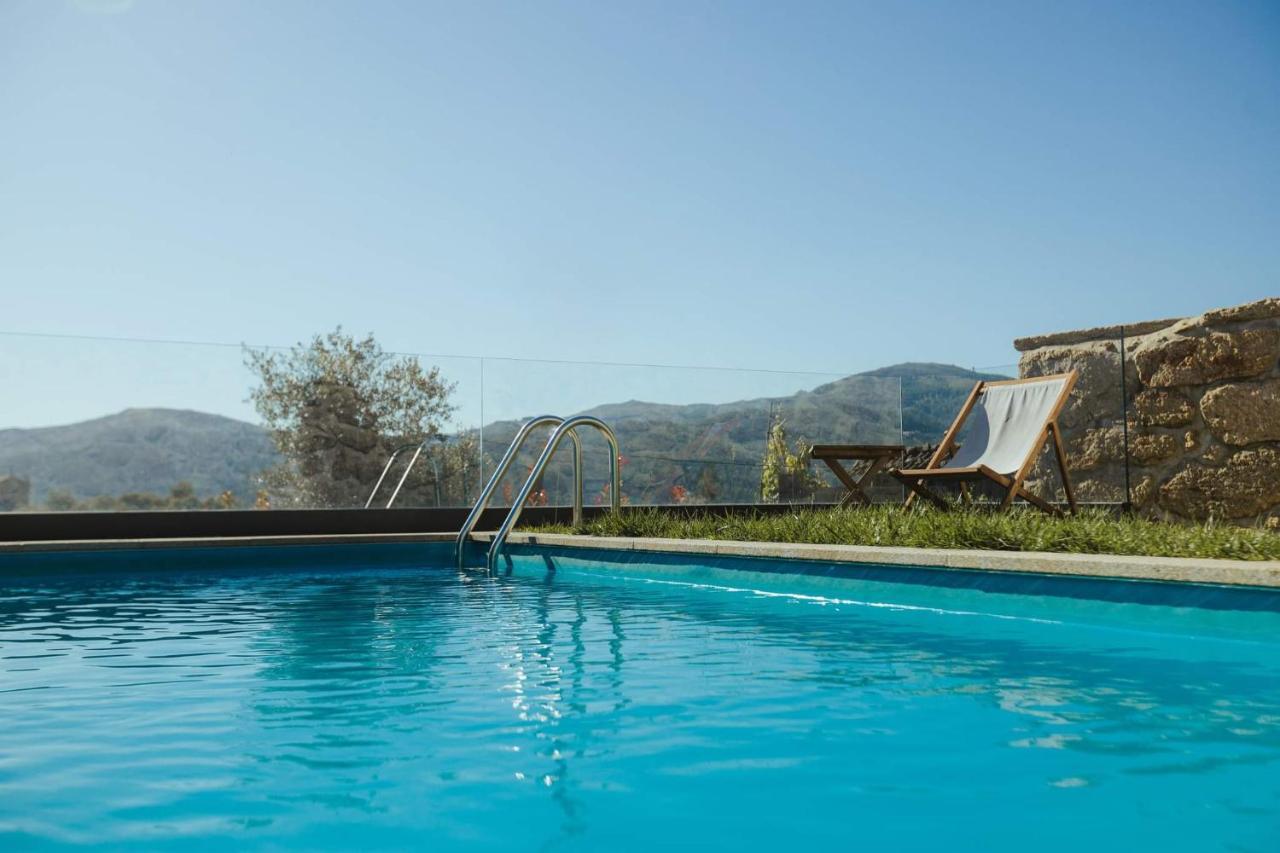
<point x="138" y="450"/>
<point x="714" y="450"/>
<point x="711" y="450"/>
<point x="932" y="394"/>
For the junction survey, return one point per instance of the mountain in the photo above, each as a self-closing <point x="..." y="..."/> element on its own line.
<point x="138" y="450"/>
<point x="711" y="450"/>
<point x="932" y="395"/>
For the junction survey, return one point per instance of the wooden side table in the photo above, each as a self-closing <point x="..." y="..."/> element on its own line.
<point x="875" y="458"/>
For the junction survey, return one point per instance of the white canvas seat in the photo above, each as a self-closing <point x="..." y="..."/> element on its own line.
<point x="1009" y="423"/>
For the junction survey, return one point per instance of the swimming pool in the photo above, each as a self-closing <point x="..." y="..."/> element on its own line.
<point x="371" y="698"/>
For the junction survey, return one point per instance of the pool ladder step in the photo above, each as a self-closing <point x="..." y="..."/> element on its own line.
<point x="564" y="428"/>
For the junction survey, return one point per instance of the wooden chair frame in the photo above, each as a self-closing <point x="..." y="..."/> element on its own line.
<point x="915" y="479"/>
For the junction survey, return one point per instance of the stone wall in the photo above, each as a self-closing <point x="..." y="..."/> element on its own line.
<point x="1203" y="413"/>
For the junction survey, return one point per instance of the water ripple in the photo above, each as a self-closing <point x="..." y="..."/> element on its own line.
<point x="392" y="708"/>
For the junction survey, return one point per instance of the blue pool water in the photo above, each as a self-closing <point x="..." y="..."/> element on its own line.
<point x="358" y="702"/>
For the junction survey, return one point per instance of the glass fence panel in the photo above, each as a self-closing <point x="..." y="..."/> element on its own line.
<point x="118" y="425"/>
<point x="403" y="435"/>
<point x="111" y="425"/>
<point x="688" y="435"/>
<point x="115" y="425"/>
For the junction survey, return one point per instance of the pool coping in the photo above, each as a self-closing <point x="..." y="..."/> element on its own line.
<point x="1242" y="573"/>
<point x="1250" y="573"/>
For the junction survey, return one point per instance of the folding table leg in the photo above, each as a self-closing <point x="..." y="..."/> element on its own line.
<point x="853" y="488"/>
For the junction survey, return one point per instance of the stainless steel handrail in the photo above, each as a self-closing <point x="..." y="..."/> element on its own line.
<point x="395" y="454"/>
<point x="566" y="428"/>
<point x="509" y="457"/>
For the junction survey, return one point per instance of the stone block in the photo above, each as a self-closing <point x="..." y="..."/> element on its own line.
<point x="1158" y="407"/>
<point x="1095" y="447"/>
<point x="1148" y="449"/>
<point x="1165" y="360"/>
<point x="1246" y="486"/>
<point x="1263" y="309"/>
<point x="1144" y="491"/>
<point x="1244" y="412"/>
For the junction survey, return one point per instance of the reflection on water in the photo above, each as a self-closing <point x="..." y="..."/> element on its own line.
<point x="393" y="707"/>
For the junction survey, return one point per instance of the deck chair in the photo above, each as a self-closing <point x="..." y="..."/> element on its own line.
<point x="1012" y="420"/>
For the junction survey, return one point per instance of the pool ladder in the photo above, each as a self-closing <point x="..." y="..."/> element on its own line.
<point x="564" y="428"/>
<point x="395" y="454"/>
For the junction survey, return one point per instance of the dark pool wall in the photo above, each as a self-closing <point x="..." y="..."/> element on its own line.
<point x="60" y="526"/>
<point x="1117" y="590"/>
<point x="548" y="560"/>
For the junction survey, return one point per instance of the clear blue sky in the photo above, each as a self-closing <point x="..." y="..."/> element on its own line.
<point x="803" y="186"/>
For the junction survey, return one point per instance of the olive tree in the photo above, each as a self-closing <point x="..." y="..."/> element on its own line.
<point x="336" y="408"/>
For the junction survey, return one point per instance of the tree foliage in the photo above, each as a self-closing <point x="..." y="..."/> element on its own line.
<point x="784" y="471"/>
<point x="181" y="496"/>
<point x="337" y="407"/>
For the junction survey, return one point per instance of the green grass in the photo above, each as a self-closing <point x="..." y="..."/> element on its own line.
<point x="1089" y="532"/>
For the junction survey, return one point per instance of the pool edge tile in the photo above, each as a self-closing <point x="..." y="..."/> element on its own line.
<point x="1249" y="573"/>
